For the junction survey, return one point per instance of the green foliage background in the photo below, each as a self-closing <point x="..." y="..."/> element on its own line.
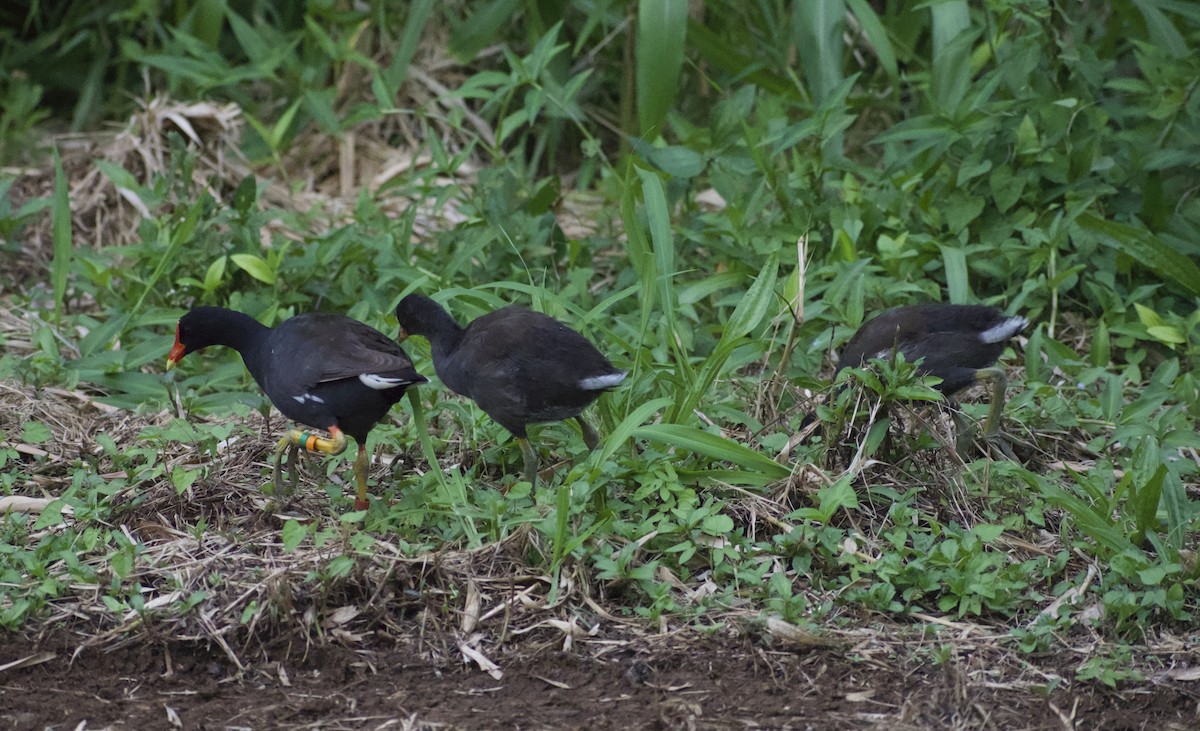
<point x="1039" y="156"/>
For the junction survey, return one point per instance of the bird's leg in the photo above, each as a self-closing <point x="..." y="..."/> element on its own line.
<point x="286" y="445"/>
<point x="362" y="465"/>
<point x="531" y="460"/>
<point x="991" y="426"/>
<point x="590" y="437"/>
<point x="295" y="439"/>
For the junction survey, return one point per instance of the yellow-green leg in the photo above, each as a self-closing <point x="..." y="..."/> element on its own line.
<point x="590" y="437"/>
<point x="531" y="460"/>
<point x="311" y="442"/>
<point x="991" y="427"/>
<point x="996" y="379"/>
<point x="362" y="464"/>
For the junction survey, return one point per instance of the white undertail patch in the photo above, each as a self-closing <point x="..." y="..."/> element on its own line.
<point x="309" y="397"/>
<point x="379" y="383"/>
<point x="599" y="383"/>
<point x="1004" y="330"/>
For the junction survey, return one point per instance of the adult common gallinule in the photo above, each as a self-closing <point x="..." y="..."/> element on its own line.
<point x="520" y="366"/>
<point x="957" y="343"/>
<point x="325" y="371"/>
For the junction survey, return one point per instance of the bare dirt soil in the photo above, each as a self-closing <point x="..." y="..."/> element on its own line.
<point x="677" y="681"/>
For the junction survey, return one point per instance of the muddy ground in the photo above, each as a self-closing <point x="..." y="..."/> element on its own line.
<point x="678" y="681"/>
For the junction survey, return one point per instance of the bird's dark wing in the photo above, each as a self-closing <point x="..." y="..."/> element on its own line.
<point x="346" y="348"/>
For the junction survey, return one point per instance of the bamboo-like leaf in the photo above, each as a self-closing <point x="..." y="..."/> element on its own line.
<point x="1145" y="504"/>
<point x="954" y="260"/>
<point x="1163" y="32"/>
<point x="713" y="446"/>
<point x="419" y="13"/>
<point x="951" y="70"/>
<point x="1144" y="248"/>
<point x="724" y="55"/>
<point x="819" y="42"/>
<point x="661" y="241"/>
<point x="876" y="35"/>
<point x="481" y="28"/>
<point x="661" y="33"/>
<point x="628" y="425"/>
<point x="1095" y="526"/>
<point x="638" y="248"/>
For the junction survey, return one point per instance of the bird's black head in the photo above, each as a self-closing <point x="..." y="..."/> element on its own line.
<point x="200" y="328"/>
<point x="420" y="315"/>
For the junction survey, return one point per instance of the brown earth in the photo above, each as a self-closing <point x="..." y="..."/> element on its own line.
<point x="678" y="681"/>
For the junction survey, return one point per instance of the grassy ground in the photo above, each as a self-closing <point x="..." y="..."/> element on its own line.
<point x="717" y="560"/>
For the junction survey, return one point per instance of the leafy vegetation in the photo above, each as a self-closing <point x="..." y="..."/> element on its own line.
<point x="645" y="175"/>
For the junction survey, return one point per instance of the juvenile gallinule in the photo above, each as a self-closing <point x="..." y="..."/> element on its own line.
<point x="957" y="343"/>
<point x="325" y="371"/>
<point x="520" y="366"/>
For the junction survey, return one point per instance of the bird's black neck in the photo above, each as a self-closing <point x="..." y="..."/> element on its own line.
<point x="443" y="332"/>
<point x="247" y="336"/>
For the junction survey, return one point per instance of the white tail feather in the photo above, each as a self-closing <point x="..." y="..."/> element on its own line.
<point x="599" y="383"/>
<point x="1004" y="330"/>
<point x="379" y="383"/>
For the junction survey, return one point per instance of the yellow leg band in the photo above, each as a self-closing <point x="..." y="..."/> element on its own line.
<point x="314" y="443"/>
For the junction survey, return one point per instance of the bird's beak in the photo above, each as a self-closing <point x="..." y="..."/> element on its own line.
<point x="403" y="335"/>
<point x="175" y="356"/>
<point x="177" y="351"/>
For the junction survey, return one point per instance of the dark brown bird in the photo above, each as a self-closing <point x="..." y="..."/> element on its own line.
<point x="325" y="371"/>
<point x="957" y="343"/>
<point x="521" y="367"/>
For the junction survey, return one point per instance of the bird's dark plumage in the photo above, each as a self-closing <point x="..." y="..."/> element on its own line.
<point x="521" y="367"/>
<point x="957" y="343"/>
<point x="323" y="370"/>
<point x="952" y="341"/>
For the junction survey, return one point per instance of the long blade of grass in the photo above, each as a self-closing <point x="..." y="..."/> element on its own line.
<point x="661" y="34"/>
<point x="663" y="250"/>
<point x="414" y="29"/>
<point x="716" y="447"/>
<point x="873" y="29"/>
<point x="625" y="429"/>
<point x="750" y="311"/>
<point x="460" y="493"/>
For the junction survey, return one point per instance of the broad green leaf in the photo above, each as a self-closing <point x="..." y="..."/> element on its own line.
<point x="958" y="284"/>
<point x="1148" y="316"/>
<point x="1145" y="504"/>
<point x="1167" y="334"/>
<point x="255" y="267"/>
<point x="35" y="432"/>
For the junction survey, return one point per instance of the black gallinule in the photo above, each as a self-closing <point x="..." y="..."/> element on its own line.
<point x="520" y="366"/>
<point x="957" y="343"/>
<point x="325" y="371"/>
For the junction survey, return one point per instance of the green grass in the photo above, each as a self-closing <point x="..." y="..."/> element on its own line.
<point x="1040" y="161"/>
